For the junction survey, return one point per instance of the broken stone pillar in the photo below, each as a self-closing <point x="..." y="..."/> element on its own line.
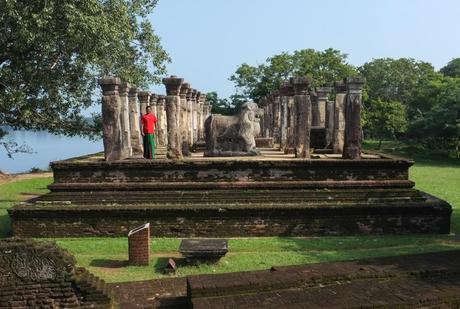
<point x="183" y="119"/>
<point x="111" y="122"/>
<point x="322" y="96"/>
<point x="303" y="111"/>
<point x="276" y="103"/>
<point x="161" y="124"/>
<point x="329" y="123"/>
<point x="315" y="117"/>
<point x="173" y="85"/>
<point x="353" y="131"/>
<point x="134" y="122"/>
<point x="339" y="117"/>
<point x="144" y="101"/>
<point x="124" y="117"/>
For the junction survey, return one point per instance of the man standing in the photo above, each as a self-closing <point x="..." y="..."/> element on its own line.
<point x="148" y="133"/>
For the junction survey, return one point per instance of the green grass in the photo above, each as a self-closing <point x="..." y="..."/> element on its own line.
<point x="106" y="257"/>
<point x="13" y="192"/>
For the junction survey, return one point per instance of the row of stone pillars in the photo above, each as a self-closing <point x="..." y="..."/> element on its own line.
<point x="293" y="112"/>
<point x="180" y="114"/>
<point x="186" y="111"/>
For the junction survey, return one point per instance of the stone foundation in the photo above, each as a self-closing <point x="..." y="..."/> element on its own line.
<point x="270" y="195"/>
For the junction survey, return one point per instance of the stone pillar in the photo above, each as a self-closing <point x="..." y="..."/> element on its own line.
<point x="195" y="116"/>
<point x="144" y="101"/>
<point x="315" y="115"/>
<point x="291" y="121"/>
<point x="134" y="122"/>
<point x="303" y="111"/>
<point x="124" y="117"/>
<point x="161" y="125"/>
<point x="153" y="104"/>
<point x="323" y="94"/>
<point x="111" y="122"/>
<point x="267" y="117"/>
<point x="183" y="119"/>
<point x="329" y="123"/>
<point x="276" y="109"/>
<point x="339" y="117"/>
<point x="284" y="92"/>
<point x="202" y="116"/>
<point x="193" y="105"/>
<point x="353" y="131"/>
<point x="173" y="85"/>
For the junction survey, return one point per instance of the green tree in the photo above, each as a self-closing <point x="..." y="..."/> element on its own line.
<point x="397" y="80"/>
<point x="384" y="119"/>
<point x="324" y="67"/>
<point x="439" y="127"/>
<point x="225" y="106"/>
<point x="452" y="69"/>
<point x="53" y="51"/>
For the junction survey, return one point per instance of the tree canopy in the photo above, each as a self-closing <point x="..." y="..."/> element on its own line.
<point x="452" y="69"/>
<point x="53" y="51"/>
<point x="324" y="67"/>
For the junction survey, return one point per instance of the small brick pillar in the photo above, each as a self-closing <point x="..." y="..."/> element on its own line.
<point x="139" y="245"/>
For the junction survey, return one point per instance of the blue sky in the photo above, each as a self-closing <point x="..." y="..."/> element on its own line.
<point x="208" y="39"/>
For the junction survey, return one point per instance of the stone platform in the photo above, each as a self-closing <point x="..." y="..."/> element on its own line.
<point x="268" y="195"/>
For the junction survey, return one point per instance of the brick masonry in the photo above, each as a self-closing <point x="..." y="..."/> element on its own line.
<point x="139" y="245"/>
<point x="226" y="198"/>
<point x="412" y="281"/>
<point x="41" y="275"/>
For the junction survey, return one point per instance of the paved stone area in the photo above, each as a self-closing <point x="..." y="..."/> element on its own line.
<point x="146" y="294"/>
<point x="429" y="280"/>
<point x="267" y="154"/>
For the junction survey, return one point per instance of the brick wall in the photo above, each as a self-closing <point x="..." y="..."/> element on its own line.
<point x="432" y="216"/>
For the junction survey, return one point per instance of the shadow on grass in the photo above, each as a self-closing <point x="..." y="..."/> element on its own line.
<point x="5" y="225"/>
<point x="109" y="263"/>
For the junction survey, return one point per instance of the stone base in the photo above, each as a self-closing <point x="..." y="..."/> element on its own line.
<point x="264" y="142"/>
<point x="234" y="214"/>
<point x="269" y="195"/>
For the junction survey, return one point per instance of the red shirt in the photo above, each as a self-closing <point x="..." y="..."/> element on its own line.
<point x="148" y="123"/>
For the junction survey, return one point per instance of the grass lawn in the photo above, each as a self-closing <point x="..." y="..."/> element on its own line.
<point x="106" y="257"/>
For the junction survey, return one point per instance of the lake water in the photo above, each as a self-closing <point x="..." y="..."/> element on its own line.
<point x="46" y="147"/>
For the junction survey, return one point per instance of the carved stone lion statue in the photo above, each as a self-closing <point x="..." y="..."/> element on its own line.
<point x="233" y="135"/>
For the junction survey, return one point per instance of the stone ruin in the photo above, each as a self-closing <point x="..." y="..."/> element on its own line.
<point x="42" y="275"/>
<point x="315" y="180"/>
<point x="302" y="120"/>
<point x="295" y="118"/>
<point x="181" y="115"/>
<point x="228" y="136"/>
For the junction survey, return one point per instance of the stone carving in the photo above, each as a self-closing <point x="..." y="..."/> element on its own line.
<point x="233" y="135"/>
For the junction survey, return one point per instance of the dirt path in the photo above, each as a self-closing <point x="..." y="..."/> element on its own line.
<point x="6" y="178"/>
